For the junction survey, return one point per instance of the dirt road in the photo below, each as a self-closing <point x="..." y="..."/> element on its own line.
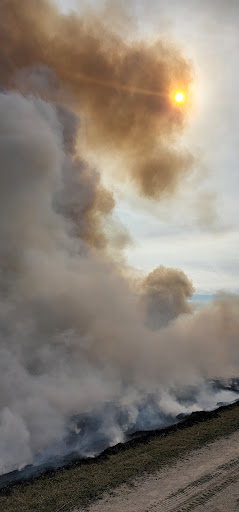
<point x="207" y="480"/>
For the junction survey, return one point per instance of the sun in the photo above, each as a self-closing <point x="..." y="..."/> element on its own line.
<point x="179" y="97"/>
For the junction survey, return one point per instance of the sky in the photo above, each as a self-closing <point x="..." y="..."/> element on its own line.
<point x="198" y="230"/>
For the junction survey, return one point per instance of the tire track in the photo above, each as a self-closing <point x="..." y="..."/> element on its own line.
<point x="189" y="498"/>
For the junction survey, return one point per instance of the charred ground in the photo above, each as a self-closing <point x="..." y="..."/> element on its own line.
<point x="82" y="480"/>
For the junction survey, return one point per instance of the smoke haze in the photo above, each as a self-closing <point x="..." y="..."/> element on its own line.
<point x="78" y="332"/>
<point x="127" y="85"/>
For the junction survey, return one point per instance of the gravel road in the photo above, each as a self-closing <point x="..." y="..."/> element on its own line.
<point x="207" y="480"/>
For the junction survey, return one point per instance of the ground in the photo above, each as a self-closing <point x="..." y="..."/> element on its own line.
<point x="205" y="480"/>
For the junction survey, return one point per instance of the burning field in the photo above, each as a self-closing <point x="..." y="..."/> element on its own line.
<point x="90" y="352"/>
<point x="188" y="465"/>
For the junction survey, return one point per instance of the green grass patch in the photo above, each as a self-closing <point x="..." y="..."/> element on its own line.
<point x="78" y="484"/>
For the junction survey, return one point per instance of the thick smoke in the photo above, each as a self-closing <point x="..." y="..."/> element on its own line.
<point x="165" y="294"/>
<point x="79" y="339"/>
<point x="123" y="88"/>
<point x="73" y="333"/>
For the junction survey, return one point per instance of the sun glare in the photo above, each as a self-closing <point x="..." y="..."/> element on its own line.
<point x="179" y="97"/>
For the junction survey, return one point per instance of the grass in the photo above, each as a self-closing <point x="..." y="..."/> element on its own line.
<point x="80" y="483"/>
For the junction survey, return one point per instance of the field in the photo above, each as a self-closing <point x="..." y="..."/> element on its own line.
<point x="82" y="482"/>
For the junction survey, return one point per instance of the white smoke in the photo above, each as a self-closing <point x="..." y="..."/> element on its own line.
<point x="75" y="334"/>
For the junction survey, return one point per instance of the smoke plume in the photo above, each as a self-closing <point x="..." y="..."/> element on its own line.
<point x="124" y="88"/>
<point x="79" y="338"/>
<point x="165" y="294"/>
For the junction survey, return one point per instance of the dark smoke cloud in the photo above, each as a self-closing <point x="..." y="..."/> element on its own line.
<point x="123" y="88"/>
<point x="77" y="332"/>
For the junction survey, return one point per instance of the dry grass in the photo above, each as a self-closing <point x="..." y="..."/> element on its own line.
<point x="79" y="484"/>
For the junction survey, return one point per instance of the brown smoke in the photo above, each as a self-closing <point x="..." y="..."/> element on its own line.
<point x="165" y="294"/>
<point x="123" y="88"/>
